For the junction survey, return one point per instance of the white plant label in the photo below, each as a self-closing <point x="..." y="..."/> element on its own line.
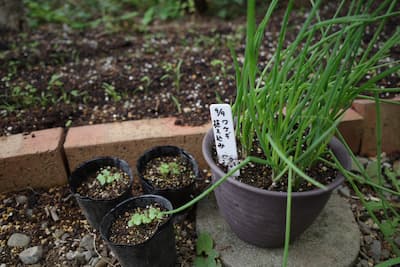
<point x="224" y="135"/>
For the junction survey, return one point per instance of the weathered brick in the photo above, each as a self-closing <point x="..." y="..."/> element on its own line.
<point x="351" y="127"/>
<point x="32" y="160"/>
<point x="128" y="140"/>
<point x="390" y="122"/>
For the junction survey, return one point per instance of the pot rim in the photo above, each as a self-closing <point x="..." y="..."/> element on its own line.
<point x="83" y="164"/>
<point x="335" y="143"/>
<point x="159" y="228"/>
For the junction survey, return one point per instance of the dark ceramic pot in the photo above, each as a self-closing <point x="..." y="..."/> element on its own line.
<point x="158" y="251"/>
<point x="95" y="209"/>
<point x="177" y="196"/>
<point x="258" y="216"/>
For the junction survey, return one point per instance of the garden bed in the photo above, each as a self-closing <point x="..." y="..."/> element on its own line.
<point x="55" y="76"/>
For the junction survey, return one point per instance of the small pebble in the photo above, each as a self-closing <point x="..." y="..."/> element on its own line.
<point x="345" y="191"/>
<point x="7" y="201"/>
<point x="31" y="255"/>
<point x="21" y="199"/>
<point x="364" y="228"/>
<point x="385" y="254"/>
<point x="102" y="262"/>
<point x="368" y="239"/>
<point x="375" y="250"/>
<point x="58" y="233"/>
<point x="18" y="240"/>
<point x="87" y="242"/>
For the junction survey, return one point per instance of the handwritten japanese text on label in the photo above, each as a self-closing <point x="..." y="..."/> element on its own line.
<point x="224" y="135"/>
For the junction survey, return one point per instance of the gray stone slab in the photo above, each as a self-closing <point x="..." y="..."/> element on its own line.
<point x="332" y="240"/>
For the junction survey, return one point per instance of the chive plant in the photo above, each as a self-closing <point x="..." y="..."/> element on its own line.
<point x="293" y="105"/>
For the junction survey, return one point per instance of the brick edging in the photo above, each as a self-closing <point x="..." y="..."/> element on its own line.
<point x="44" y="158"/>
<point x="390" y="122"/>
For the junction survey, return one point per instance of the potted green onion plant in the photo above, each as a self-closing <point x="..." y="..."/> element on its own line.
<point x="286" y="116"/>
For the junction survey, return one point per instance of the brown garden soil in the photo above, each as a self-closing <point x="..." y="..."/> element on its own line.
<point x="55" y="76"/>
<point x="183" y="177"/>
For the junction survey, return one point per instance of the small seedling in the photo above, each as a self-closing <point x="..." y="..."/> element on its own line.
<point x="177" y="104"/>
<point x="169" y="168"/>
<point x="221" y="64"/>
<point x="173" y="71"/>
<point x="111" y="92"/>
<point x="205" y="253"/>
<point x="106" y="177"/>
<point x="146" y="216"/>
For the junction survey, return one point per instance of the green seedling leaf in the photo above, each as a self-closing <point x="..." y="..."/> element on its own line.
<point x="216" y="62"/>
<point x="152" y="213"/>
<point x="389" y="227"/>
<point x="169" y="168"/>
<point x="136" y="219"/>
<point x="102" y="179"/>
<point x="164" y="169"/>
<point x="114" y="177"/>
<point x="206" y="256"/>
<point x="148" y="16"/>
<point x="74" y="93"/>
<point x="106" y="177"/>
<point x="68" y="123"/>
<point x="145" y="217"/>
<point x="174" y="168"/>
<point x="155" y="213"/>
<point x="204" y="244"/>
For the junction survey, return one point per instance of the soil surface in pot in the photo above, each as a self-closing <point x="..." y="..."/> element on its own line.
<point x="258" y="175"/>
<point x="169" y="172"/>
<point x="93" y="188"/>
<point x="121" y="233"/>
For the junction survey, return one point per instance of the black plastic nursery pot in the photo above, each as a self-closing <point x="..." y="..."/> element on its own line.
<point x="95" y="209"/>
<point x="157" y="251"/>
<point x="177" y="196"/>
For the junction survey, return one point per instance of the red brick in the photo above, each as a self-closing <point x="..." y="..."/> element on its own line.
<point x="128" y="140"/>
<point x="33" y="160"/>
<point x="351" y="127"/>
<point x="390" y="121"/>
